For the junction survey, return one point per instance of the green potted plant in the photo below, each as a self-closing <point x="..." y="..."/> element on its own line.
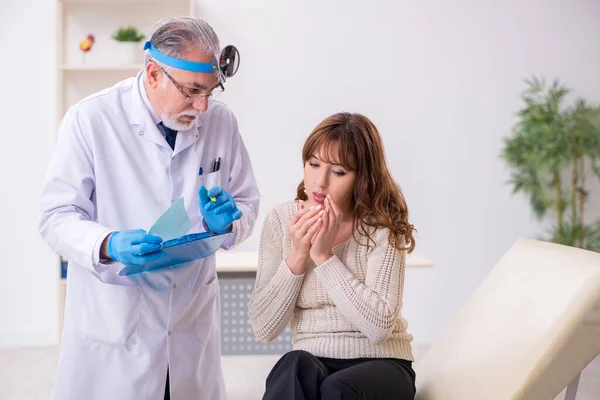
<point x="553" y="152"/>
<point x="129" y="39"/>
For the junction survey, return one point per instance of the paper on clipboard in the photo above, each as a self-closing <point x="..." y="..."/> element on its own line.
<point x="173" y="223"/>
<point x="178" y="247"/>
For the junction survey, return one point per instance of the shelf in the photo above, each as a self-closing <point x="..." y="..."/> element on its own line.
<point x="242" y="261"/>
<point x="245" y="261"/>
<point x="417" y="260"/>
<point x="238" y="261"/>
<point x="101" y="68"/>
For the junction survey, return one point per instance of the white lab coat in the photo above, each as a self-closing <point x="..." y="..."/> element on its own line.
<point x="113" y="170"/>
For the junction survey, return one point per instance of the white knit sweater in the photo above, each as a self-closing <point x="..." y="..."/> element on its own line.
<point x="347" y="307"/>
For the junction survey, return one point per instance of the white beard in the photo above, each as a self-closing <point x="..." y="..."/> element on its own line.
<point x="174" y="123"/>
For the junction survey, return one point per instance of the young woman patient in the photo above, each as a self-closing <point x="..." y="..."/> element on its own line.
<point x="331" y="264"/>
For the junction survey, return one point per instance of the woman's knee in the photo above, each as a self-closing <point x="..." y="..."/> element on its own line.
<point x="296" y="360"/>
<point x="296" y="356"/>
<point x="297" y="364"/>
<point x="336" y="387"/>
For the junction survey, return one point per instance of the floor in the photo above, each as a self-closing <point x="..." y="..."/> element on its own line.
<point x="28" y="374"/>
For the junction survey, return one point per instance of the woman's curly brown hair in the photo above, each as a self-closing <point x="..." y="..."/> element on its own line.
<point x="377" y="199"/>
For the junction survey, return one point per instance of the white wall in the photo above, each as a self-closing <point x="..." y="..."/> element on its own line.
<point x="440" y="80"/>
<point x="28" y="288"/>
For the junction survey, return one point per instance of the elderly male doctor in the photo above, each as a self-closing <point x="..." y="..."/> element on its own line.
<point x="123" y="156"/>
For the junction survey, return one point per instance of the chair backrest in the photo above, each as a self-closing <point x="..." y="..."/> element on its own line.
<point x="530" y="327"/>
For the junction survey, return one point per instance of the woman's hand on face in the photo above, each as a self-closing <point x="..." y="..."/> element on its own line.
<point x="303" y="225"/>
<point x="321" y="249"/>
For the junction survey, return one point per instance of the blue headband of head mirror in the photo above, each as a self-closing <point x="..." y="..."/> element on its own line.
<point x="227" y="64"/>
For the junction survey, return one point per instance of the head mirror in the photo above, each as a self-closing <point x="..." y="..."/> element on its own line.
<point x="229" y="61"/>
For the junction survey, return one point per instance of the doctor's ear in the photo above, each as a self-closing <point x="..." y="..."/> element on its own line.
<point x="154" y="75"/>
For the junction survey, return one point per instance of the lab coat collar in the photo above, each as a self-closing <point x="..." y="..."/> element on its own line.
<point x="144" y="96"/>
<point x="143" y="123"/>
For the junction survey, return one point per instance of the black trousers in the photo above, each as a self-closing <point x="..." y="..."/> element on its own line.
<point x="299" y="375"/>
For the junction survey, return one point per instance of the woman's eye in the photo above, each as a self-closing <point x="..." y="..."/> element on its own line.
<point x="312" y="164"/>
<point x="339" y="173"/>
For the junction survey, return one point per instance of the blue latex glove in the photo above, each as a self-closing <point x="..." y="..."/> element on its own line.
<point x="220" y="212"/>
<point x="131" y="247"/>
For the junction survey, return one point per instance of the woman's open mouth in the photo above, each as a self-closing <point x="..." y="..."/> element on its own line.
<point x="319" y="197"/>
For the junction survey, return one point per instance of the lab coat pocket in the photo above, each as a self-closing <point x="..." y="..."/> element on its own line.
<point x="110" y="315"/>
<point x="207" y="313"/>
<point x="212" y="179"/>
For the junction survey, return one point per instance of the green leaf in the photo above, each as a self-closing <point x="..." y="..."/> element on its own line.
<point x="547" y="141"/>
<point x="127" y="34"/>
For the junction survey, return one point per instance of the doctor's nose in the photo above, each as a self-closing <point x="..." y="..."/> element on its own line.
<point x="200" y="103"/>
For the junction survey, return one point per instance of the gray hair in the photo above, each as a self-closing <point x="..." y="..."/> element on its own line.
<point x="175" y="36"/>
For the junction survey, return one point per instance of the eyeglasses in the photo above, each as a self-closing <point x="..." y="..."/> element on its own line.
<point x="191" y="97"/>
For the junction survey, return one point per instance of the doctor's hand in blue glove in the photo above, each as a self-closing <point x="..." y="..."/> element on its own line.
<point x="218" y="209"/>
<point x="134" y="247"/>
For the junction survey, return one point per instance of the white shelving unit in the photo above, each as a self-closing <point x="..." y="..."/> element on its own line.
<point x="79" y="74"/>
<point x="98" y="68"/>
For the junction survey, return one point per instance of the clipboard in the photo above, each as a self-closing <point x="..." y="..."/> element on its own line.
<point x="181" y="250"/>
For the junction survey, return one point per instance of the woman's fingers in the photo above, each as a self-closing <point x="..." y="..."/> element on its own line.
<point x="309" y="223"/>
<point x="312" y="211"/>
<point x="304" y="225"/>
<point x="314" y="236"/>
<point x="326" y="219"/>
<point x="334" y="210"/>
<point x="298" y="214"/>
<point x="314" y="228"/>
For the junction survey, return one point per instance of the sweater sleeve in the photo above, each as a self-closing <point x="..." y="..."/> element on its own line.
<point x="276" y="288"/>
<point x="373" y="307"/>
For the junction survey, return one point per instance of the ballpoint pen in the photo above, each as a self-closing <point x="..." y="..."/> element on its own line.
<point x="216" y="164"/>
<point x="201" y="181"/>
<point x="200" y="177"/>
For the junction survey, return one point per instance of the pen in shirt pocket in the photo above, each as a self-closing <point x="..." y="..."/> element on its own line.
<point x="201" y="181"/>
<point x="216" y="164"/>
